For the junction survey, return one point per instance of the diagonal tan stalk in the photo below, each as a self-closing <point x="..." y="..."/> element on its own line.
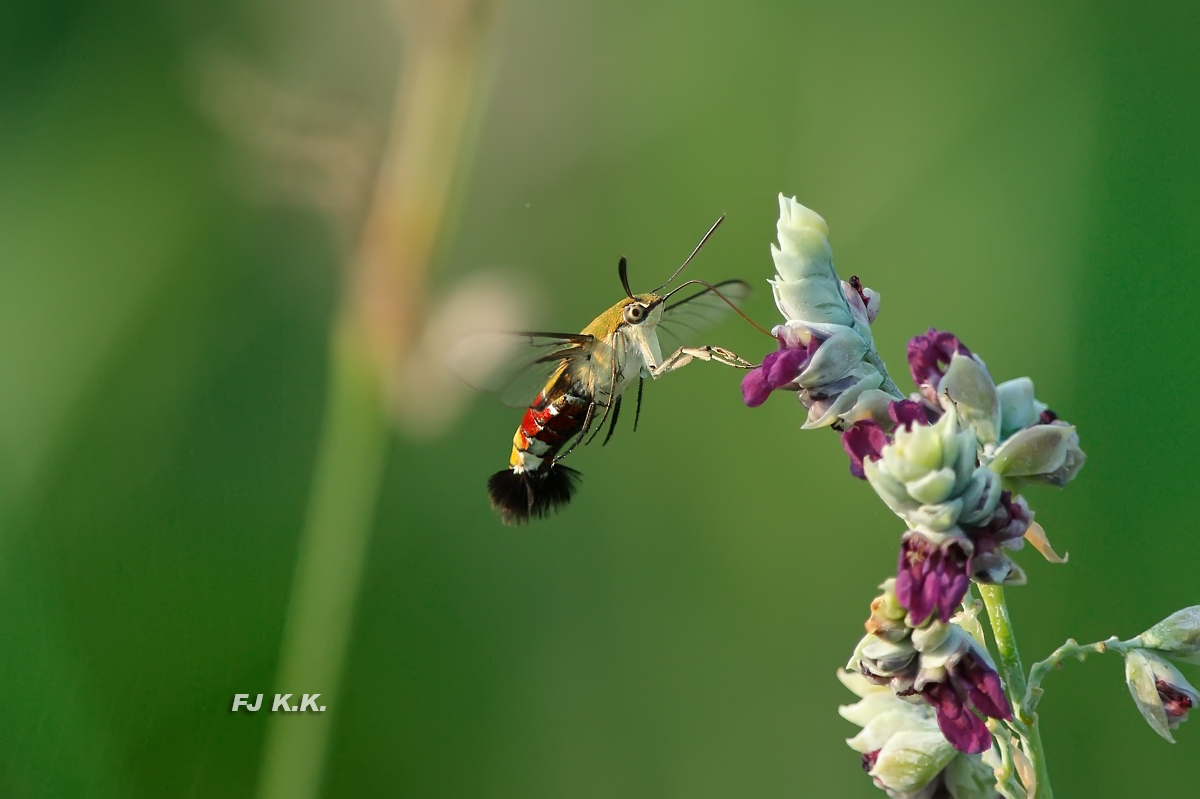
<point x="441" y="79"/>
<point x="1025" y="722"/>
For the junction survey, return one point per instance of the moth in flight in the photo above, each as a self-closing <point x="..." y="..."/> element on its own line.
<point x="578" y="377"/>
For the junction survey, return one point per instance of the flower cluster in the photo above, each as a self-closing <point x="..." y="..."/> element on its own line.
<point x="938" y="662"/>
<point x="956" y="453"/>
<point x="826" y="352"/>
<point x="951" y="460"/>
<point x="904" y="752"/>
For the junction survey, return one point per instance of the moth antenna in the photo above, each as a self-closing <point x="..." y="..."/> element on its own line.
<point x="637" y="414"/>
<point x="688" y="260"/>
<point x="623" y="271"/>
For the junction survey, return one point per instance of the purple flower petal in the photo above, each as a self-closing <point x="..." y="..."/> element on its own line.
<point x="782" y="366"/>
<point x="931" y="577"/>
<point x="864" y="439"/>
<point x="906" y="413"/>
<point x="754" y="388"/>
<point x="929" y="355"/>
<point x="1009" y="522"/>
<point x="1176" y="703"/>
<point x="983" y="687"/>
<point x="965" y="731"/>
<point x="778" y="368"/>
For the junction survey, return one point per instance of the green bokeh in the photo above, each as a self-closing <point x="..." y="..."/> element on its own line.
<point x="1025" y="177"/>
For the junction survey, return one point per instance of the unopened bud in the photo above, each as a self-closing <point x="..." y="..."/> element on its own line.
<point x="1161" y="693"/>
<point x="969" y="387"/>
<point x="1018" y="406"/>
<point x="1178" y="635"/>
<point x="887" y="614"/>
<point x="1047" y="453"/>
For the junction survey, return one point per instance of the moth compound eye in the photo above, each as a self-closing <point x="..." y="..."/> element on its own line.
<point x="635" y="313"/>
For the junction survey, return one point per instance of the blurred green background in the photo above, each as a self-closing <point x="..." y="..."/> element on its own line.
<point x="1026" y="177"/>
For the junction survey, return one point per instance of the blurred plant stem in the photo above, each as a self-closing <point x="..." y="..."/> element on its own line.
<point x="441" y="75"/>
<point x="1024" y="720"/>
<point x="333" y="548"/>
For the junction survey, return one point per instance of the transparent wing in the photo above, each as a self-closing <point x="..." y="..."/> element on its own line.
<point x="684" y="320"/>
<point x="514" y="366"/>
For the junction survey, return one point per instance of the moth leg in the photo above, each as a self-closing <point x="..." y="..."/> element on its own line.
<point x="637" y="414"/>
<point x="613" y="399"/>
<point x="613" y="424"/>
<point x="685" y="355"/>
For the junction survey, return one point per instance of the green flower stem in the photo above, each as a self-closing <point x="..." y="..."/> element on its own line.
<point x="1072" y="648"/>
<point x="1006" y="780"/>
<point x="1025" y="722"/>
<point x="329" y="568"/>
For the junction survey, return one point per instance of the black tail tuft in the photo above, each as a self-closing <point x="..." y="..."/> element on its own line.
<point x="517" y="496"/>
<point x="557" y="487"/>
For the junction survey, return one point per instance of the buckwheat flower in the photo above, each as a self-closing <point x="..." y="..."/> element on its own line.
<point x="948" y="374"/>
<point x="929" y="356"/>
<point x="805" y="285"/>
<point x="904" y="752"/>
<point x="1160" y="692"/>
<point x="1047" y="453"/>
<point x="906" y="413"/>
<point x="1177" y="636"/>
<point x="933" y="574"/>
<point x="1018" y="406"/>
<point x="1004" y="530"/>
<point x="924" y="472"/>
<point x="866" y="438"/>
<point x="839" y="376"/>
<point x="945" y="666"/>
<point x="902" y="749"/>
<point x="888" y="662"/>
<point x="887" y="620"/>
<point x="969" y="387"/>
<point x="957" y="677"/>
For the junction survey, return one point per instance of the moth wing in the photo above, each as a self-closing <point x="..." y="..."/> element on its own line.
<point x="685" y="319"/>
<point x="515" y="366"/>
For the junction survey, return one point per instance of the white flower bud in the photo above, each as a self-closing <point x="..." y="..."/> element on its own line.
<point x="907" y="753"/>
<point x="911" y="759"/>
<point x="1018" y="406"/>
<point x="1036" y="452"/>
<point x="806" y="287"/>
<point x="968" y="386"/>
<point x="924" y="473"/>
<point x="1178" y="635"/>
